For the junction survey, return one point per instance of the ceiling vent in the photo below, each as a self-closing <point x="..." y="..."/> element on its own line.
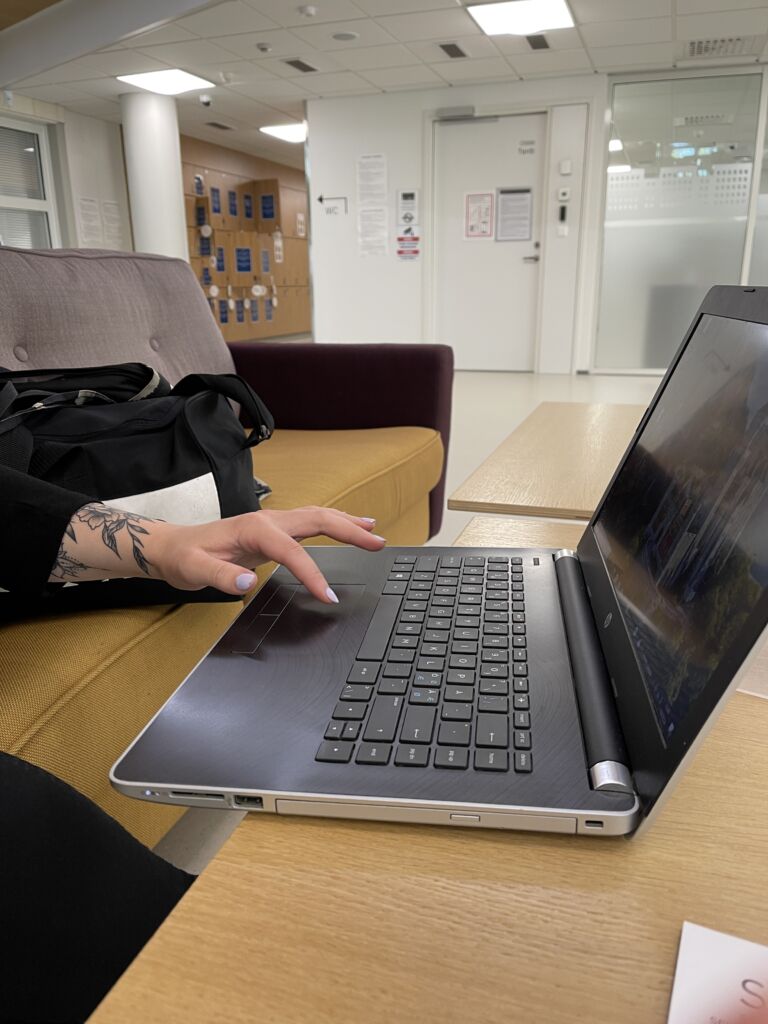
<point x="732" y="46"/>
<point x="220" y="125"/>
<point x="300" y="65"/>
<point x="452" y="50"/>
<point x="701" y="120"/>
<point x="538" y="42"/>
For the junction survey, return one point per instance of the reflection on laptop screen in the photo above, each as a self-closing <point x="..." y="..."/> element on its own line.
<point x="684" y="530"/>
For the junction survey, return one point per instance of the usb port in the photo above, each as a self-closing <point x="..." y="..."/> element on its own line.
<point x="593" y="824"/>
<point x="248" y="801"/>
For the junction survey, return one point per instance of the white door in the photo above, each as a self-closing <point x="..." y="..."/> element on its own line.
<point x="488" y="202"/>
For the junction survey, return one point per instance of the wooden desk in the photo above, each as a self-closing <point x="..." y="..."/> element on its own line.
<point x="301" y="921"/>
<point x="556" y="463"/>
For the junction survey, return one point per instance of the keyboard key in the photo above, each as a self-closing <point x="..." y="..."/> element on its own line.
<point x="373" y="753"/>
<point x="454" y="734"/>
<point x="516" y="588"/>
<point x="494" y="585"/>
<point x="502" y="577"/>
<point x="466" y="634"/>
<point x="338" y="752"/>
<point x="464" y="661"/>
<point x="523" y="761"/>
<point x="464" y="647"/>
<point x="374" y="645"/>
<point x="363" y="672"/>
<point x="496" y="616"/>
<point x="471" y="599"/>
<point x="494" y="655"/>
<point x="516" y="561"/>
<point x="346" y="710"/>
<point x="427" y="563"/>
<point x="393" y="686"/>
<point x="409" y="629"/>
<point x="415" y="606"/>
<point x="405" y="641"/>
<point x="351" y="730"/>
<point x="461" y="677"/>
<point x="519" y="629"/>
<point x="456" y="712"/>
<point x="436" y="650"/>
<point x="437" y="636"/>
<point x="357" y="691"/>
<point x="518" y="616"/>
<point x="416" y="757"/>
<point x="491" y="761"/>
<point x="493" y="705"/>
<point x="401" y="656"/>
<point x="439" y="623"/>
<point x="495" y="671"/>
<point x="521" y="701"/>
<point x="431" y="664"/>
<point x="491" y="731"/>
<point x="412" y="617"/>
<point x="519" y="669"/>
<point x="450" y="562"/>
<point x="395" y="587"/>
<point x="443" y="602"/>
<point x="520" y="685"/>
<point x="401" y="574"/>
<point x="522" y="720"/>
<point x="474" y="560"/>
<point x="473" y="572"/>
<point x="499" y="642"/>
<point x="498" y="558"/>
<point x="495" y="629"/>
<point x="522" y="739"/>
<point x="451" y="757"/>
<point x="448" y="573"/>
<point x="466" y="589"/>
<point x="468" y="621"/>
<point x="496" y="606"/>
<point x="465" y="610"/>
<point x="428" y="679"/>
<point x="494" y="687"/>
<point x="382" y="723"/>
<point x="396" y="670"/>
<point x="418" y="725"/>
<point x="405" y="560"/>
<point x="520" y="655"/>
<point x="424" y="577"/>
<point x="445" y="591"/>
<point x="519" y="607"/>
<point x="459" y="693"/>
<point x="335" y="731"/>
<point x="420" y="695"/>
<point x="519" y="641"/>
<point x="420" y="585"/>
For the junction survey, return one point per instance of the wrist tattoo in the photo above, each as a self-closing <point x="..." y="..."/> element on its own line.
<point x="110" y="521"/>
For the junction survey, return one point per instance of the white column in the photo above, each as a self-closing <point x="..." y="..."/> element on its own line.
<point x="153" y="167"/>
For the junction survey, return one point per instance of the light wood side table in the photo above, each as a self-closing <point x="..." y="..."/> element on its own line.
<point x="557" y="463"/>
<point x="302" y="921"/>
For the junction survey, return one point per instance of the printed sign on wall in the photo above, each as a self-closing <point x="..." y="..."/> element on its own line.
<point x="478" y="215"/>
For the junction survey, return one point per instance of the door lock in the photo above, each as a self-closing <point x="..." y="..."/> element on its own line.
<point x="531" y="259"/>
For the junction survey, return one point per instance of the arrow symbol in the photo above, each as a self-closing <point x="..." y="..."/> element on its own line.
<point x="338" y="199"/>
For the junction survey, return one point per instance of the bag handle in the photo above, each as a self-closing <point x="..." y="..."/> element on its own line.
<point x="231" y="386"/>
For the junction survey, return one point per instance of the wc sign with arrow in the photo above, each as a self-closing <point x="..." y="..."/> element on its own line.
<point x="334" y="206"/>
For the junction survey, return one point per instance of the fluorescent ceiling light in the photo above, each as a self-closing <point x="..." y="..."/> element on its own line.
<point x="615" y="146"/>
<point x="168" y="83"/>
<point x="521" y="17"/>
<point x="287" y="132"/>
<point x="619" y="168"/>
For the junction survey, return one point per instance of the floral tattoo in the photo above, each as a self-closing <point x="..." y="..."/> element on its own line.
<point x="110" y="522"/>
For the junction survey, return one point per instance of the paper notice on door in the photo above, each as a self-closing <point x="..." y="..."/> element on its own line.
<point x="90" y="224"/>
<point x="720" y="979"/>
<point x="478" y="215"/>
<point x="372" y="180"/>
<point x="113" y="225"/>
<point x="372" y="231"/>
<point x="514" y="214"/>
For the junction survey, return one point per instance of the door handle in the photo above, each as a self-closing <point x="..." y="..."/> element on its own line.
<point x="531" y="259"/>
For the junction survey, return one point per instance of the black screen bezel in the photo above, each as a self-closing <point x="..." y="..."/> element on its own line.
<point x="653" y="763"/>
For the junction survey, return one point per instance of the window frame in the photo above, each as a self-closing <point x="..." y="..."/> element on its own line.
<point x="47" y="205"/>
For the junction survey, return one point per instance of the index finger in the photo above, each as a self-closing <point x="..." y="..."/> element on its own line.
<point x="279" y="547"/>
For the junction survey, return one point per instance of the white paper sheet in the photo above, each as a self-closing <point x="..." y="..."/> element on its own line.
<point x="372" y="180"/>
<point x="478" y="215"/>
<point x="514" y="215"/>
<point x="372" y="231"/>
<point x="90" y="223"/>
<point x="113" y="225"/>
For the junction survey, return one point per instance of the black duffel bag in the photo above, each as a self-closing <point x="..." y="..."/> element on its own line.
<point x="124" y="436"/>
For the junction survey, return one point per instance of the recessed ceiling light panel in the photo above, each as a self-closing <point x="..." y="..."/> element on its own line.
<point x="346" y="37"/>
<point x="167" y="83"/>
<point x="296" y="132"/>
<point x="521" y="17"/>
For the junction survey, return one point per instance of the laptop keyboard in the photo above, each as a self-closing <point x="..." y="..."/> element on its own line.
<point x="441" y="677"/>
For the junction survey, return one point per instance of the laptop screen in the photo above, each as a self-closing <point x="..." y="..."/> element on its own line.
<point x="683" y="531"/>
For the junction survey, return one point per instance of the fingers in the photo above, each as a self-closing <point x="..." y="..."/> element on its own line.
<point x="202" y="569"/>
<point x="308" y="522"/>
<point x="279" y="547"/>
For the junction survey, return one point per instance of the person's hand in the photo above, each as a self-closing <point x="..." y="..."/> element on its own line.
<point x="223" y="553"/>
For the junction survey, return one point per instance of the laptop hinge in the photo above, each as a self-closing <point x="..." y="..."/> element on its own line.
<point x="607" y="756"/>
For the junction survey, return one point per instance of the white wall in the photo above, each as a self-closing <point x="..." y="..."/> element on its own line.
<point x="379" y="298"/>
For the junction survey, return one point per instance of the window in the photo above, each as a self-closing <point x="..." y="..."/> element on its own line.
<point x="27" y="208"/>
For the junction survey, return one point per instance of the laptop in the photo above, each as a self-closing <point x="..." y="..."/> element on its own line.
<point x="561" y="691"/>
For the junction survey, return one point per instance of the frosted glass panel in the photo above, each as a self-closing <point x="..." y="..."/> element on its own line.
<point x="24" y="229"/>
<point x="677" y="192"/>
<point x="20" y="171"/>
<point x="758" y="267"/>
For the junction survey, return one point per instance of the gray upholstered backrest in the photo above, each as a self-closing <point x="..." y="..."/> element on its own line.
<point x="84" y="307"/>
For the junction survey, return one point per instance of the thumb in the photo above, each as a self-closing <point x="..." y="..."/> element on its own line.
<point x="208" y="571"/>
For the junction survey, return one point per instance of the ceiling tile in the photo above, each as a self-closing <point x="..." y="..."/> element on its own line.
<point x="632" y="56"/>
<point x="367" y="31"/>
<point x="226" y="19"/>
<point x="232" y="72"/>
<point x="475" y="70"/>
<point x="624" y="33"/>
<point x="342" y="82"/>
<point x="562" y="39"/>
<point x="287" y="15"/>
<point x="106" y="88"/>
<point x="732" y="23"/>
<point x="291" y="108"/>
<point x="282" y="43"/>
<point x="228" y="105"/>
<point x="403" y="78"/>
<point x="376" y="8"/>
<point x="171" y="33"/>
<point x="548" y="62"/>
<point x="613" y="10"/>
<point x="274" y="91"/>
<point x="321" y="61"/>
<point x="53" y="93"/>
<point x="121" y="62"/>
<point x="364" y="58"/>
<point x="72" y="71"/>
<point x="713" y="6"/>
<point x="519" y="44"/>
<point x="443" y="25"/>
<point x="473" y="46"/>
<point x="194" y="51"/>
<point x="104" y="109"/>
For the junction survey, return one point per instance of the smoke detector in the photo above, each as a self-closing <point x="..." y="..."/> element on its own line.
<point x="307" y="11"/>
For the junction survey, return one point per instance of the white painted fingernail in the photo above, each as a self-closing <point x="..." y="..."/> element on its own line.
<point x="367" y="519"/>
<point x="331" y="596"/>
<point x="377" y="537"/>
<point x="245" y="581"/>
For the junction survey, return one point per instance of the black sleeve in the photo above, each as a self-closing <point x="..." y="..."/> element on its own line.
<point x="33" y="517"/>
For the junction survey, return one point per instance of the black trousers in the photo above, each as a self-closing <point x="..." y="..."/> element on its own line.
<point x="79" y="897"/>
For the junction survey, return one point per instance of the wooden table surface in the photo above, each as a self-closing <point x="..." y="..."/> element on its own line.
<point x="307" y="921"/>
<point x="557" y="463"/>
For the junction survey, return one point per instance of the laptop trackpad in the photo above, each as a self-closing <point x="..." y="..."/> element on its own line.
<point x="309" y="618"/>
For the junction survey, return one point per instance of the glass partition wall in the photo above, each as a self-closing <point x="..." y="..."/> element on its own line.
<point x="678" y="187"/>
<point x="26" y="207"/>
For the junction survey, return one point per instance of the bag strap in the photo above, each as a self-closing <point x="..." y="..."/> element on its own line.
<point x="234" y="387"/>
<point x="16" y="448"/>
<point x="8" y="395"/>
